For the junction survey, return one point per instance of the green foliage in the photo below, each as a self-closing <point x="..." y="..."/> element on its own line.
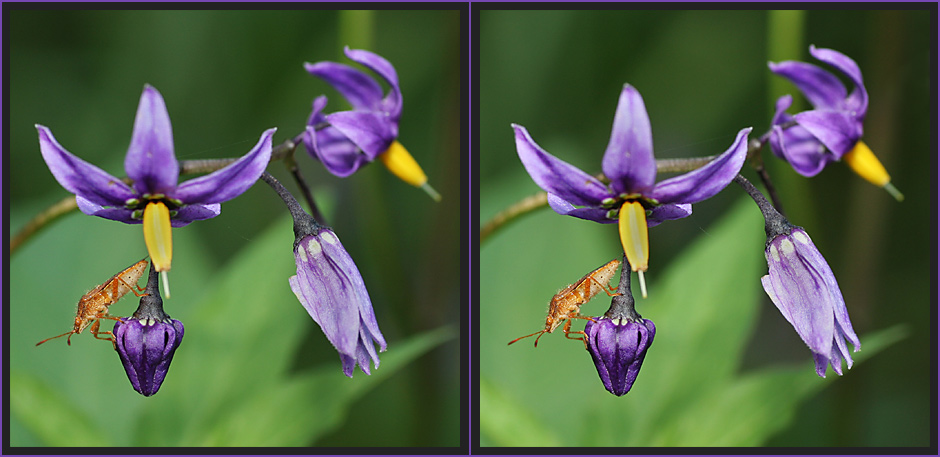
<point x="691" y="390"/>
<point x="232" y="369"/>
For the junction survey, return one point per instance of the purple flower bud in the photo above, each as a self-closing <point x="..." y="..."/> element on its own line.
<point x="146" y="347"/>
<point x="802" y="286"/>
<point x="618" y="347"/>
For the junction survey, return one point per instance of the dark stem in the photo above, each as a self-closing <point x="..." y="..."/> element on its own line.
<point x="623" y="306"/>
<point x="304" y="224"/>
<point x="304" y="189"/>
<point x="151" y="305"/>
<point x="774" y="222"/>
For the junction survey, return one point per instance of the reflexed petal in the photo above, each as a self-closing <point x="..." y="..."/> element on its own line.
<point x="378" y="64"/>
<point x="231" y="181"/>
<point x="628" y="161"/>
<point x="588" y="213"/>
<point x="556" y="176"/>
<point x="858" y="100"/>
<point x="195" y="212"/>
<point x="668" y="212"/>
<point x="356" y="86"/>
<point x="316" y="113"/>
<point x="801" y="149"/>
<point x="372" y="132"/>
<point x="821" y="88"/>
<point x="150" y="161"/>
<point x="700" y="184"/>
<point x="837" y="130"/>
<point x="113" y="213"/>
<point x="780" y="110"/>
<point x="79" y="177"/>
<point x="339" y="155"/>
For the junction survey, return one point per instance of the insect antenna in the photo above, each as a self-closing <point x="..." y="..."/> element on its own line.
<point x="58" y="336"/>
<point x="539" y="333"/>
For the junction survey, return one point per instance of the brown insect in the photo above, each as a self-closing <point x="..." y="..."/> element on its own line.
<point x="93" y="306"/>
<point x="566" y="305"/>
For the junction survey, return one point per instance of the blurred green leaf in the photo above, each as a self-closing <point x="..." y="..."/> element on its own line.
<point x="51" y="417"/>
<point x="752" y="409"/>
<point x="506" y="422"/>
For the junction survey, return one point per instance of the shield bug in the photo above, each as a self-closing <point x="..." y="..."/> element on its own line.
<point x="566" y="305"/>
<point x="93" y="306"/>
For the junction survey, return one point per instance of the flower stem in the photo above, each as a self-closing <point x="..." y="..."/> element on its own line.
<point x="623" y="306"/>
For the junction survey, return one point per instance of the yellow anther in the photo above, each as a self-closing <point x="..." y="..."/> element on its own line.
<point x="865" y="164"/>
<point x="158" y="236"/>
<point x="634" y="236"/>
<point x="397" y="159"/>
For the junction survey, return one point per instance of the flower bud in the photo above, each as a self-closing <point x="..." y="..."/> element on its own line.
<point x="618" y="347"/>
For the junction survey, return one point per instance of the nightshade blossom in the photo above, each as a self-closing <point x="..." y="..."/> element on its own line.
<point x="804" y="289"/>
<point x="147" y="341"/>
<point x="832" y="130"/>
<point x="618" y="347"/>
<point x="347" y="140"/>
<point x="633" y="198"/>
<point x="155" y="198"/>
<point x="329" y="286"/>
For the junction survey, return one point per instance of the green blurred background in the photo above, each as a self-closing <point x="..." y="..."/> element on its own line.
<point x="703" y="76"/>
<point x="227" y="76"/>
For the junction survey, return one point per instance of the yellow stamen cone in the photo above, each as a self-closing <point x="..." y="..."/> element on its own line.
<point x="634" y="236"/>
<point x="397" y="159"/>
<point x="159" y="240"/>
<point x="865" y="164"/>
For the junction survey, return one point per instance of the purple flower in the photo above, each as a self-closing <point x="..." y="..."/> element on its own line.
<point x="830" y="131"/>
<point x="347" y="140"/>
<point x="147" y="340"/>
<point x="330" y="288"/>
<point x="633" y="197"/>
<point x="155" y="198"/>
<point x="802" y="286"/>
<point x="618" y="347"/>
<point x="146" y="347"/>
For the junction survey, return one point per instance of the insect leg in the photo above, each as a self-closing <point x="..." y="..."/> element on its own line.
<point x="568" y="331"/>
<point x="609" y="290"/>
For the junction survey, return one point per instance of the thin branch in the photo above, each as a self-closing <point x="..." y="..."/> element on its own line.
<point x="42" y="220"/>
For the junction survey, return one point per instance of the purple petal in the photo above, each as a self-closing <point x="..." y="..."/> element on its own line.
<point x="150" y="161"/>
<point x="357" y="87"/>
<point x="820" y="87"/>
<point x="195" y="212"/>
<point x="79" y="177"/>
<point x="780" y="110"/>
<point x="556" y="176"/>
<point x="588" y="213"/>
<point x="323" y="287"/>
<point x="316" y="114"/>
<point x="333" y="249"/>
<point x="808" y="251"/>
<point x="700" y="184"/>
<point x="392" y="104"/>
<point x="801" y="149"/>
<point x="857" y="101"/>
<point x="372" y="132"/>
<point x="339" y="155"/>
<point x="837" y="130"/>
<point x="231" y="181"/>
<point x="628" y="161"/>
<point x="668" y="212"/>
<point x="798" y="290"/>
<point x="120" y="214"/>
